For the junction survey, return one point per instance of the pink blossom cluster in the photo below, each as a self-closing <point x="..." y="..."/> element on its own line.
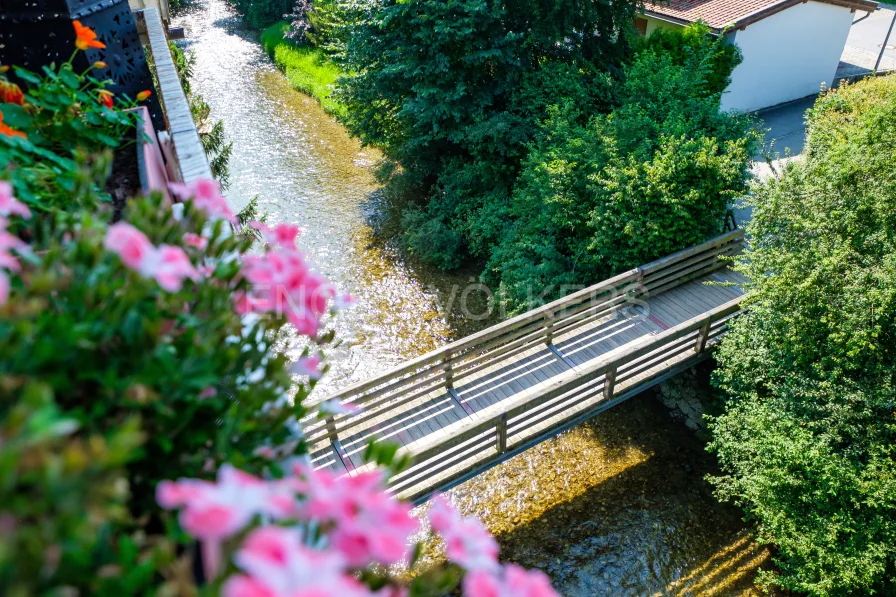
<point x="169" y="265"/>
<point x="360" y="522"/>
<point x="283" y="283"/>
<point x="9" y="206"/>
<point x="357" y="524"/>
<point x="469" y="544"/>
<point x="206" y="195"/>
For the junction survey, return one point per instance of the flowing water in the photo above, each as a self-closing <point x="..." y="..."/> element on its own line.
<point x="616" y="506"/>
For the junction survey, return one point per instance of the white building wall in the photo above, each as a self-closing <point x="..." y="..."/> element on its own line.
<point x="787" y="56"/>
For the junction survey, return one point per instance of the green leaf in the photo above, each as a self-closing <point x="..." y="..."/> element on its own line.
<point x="16" y="116"/>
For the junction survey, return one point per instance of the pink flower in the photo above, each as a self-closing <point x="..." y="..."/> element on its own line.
<point x="309" y="366"/>
<point x="278" y="560"/>
<point x="214" y="520"/>
<point x="9" y="205"/>
<point x="173" y="267"/>
<point x="284" y="285"/>
<point x="304" y="322"/>
<point x="281" y="236"/>
<point x="467" y="542"/>
<point x="369" y="525"/>
<point x="206" y="195"/>
<point x="7" y="261"/>
<point x="481" y="584"/>
<point x="216" y="511"/>
<point x="209" y="392"/>
<point x="196" y="241"/>
<point x="132" y="246"/>
<point x="513" y="581"/>
<point x="284" y="235"/>
<point x="170" y="494"/>
<point x="246" y="586"/>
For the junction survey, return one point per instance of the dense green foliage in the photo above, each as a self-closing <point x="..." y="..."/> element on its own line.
<point x="808" y="439"/>
<point x="116" y="373"/>
<point x="263" y="13"/>
<point x="539" y="143"/>
<point x="683" y="45"/>
<point x="652" y="177"/>
<point x="307" y="68"/>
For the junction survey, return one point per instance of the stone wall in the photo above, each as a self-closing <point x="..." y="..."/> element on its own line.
<point x="688" y="395"/>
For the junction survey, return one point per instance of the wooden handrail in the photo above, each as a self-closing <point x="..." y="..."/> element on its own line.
<point x="451" y="353"/>
<point x="466" y="429"/>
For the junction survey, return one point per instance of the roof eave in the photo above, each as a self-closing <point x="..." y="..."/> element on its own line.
<point x="743" y="22"/>
<point x="677" y="21"/>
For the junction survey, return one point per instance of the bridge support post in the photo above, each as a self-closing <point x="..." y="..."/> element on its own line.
<point x="501" y="429"/>
<point x="331" y="430"/>
<point x="549" y="326"/>
<point x="449" y="373"/>
<point x="702" y="337"/>
<point x="610" y="383"/>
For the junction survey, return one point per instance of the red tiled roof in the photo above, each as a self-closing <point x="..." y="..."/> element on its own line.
<point x="721" y="13"/>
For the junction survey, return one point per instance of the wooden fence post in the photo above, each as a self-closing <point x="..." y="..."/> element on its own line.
<point x="703" y="337"/>
<point x="610" y="382"/>
<point x="501" y="429"/>
<point x="449" y="373"/>
<point x="331" y="430"/>
<point x="549" y="316"/>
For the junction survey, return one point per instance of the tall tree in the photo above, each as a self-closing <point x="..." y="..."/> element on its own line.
<point x="440" y="87"/>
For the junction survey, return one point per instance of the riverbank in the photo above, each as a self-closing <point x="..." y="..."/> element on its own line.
<point x="308" y="69"/>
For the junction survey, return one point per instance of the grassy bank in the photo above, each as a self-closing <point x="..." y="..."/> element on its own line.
<point x="307" y="68"/>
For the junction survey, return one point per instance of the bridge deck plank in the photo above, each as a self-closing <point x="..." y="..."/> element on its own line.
<point x="483" y="393"/>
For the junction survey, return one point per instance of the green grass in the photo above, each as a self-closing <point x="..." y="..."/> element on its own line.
<point x="308" y="69"/>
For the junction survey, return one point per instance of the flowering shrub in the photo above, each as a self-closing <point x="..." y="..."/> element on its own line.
<point x="332" y="536"/>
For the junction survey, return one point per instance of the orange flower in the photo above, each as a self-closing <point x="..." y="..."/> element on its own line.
<point x="105" y="98"/>
<point x="6" y="130"/>
<point x="86" y="38"/>
<point x="99" y="65"/>
<point x="143" y="95"/>
<point x="10" y="93"/>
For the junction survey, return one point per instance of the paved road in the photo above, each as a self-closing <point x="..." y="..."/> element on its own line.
<point x="865" y="41"/>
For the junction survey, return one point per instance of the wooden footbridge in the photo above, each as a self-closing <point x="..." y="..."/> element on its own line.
<point x="463" y="408"/>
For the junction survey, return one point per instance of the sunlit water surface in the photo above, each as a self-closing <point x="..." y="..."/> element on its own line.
<point x="616" y="506"/>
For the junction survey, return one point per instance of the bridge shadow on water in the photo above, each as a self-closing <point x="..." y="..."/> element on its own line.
<point x="619" y="506"/>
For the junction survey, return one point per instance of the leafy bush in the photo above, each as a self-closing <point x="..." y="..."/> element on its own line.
<point x="654" y="176"/>
<point x="718" y="58"/>
<point x="263" y="13"/>
<point x="806" y="442"/>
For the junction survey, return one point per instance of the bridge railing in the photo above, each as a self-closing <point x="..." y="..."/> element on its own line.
<point x="441" y="369"/>
<point x="472" y="445"/>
